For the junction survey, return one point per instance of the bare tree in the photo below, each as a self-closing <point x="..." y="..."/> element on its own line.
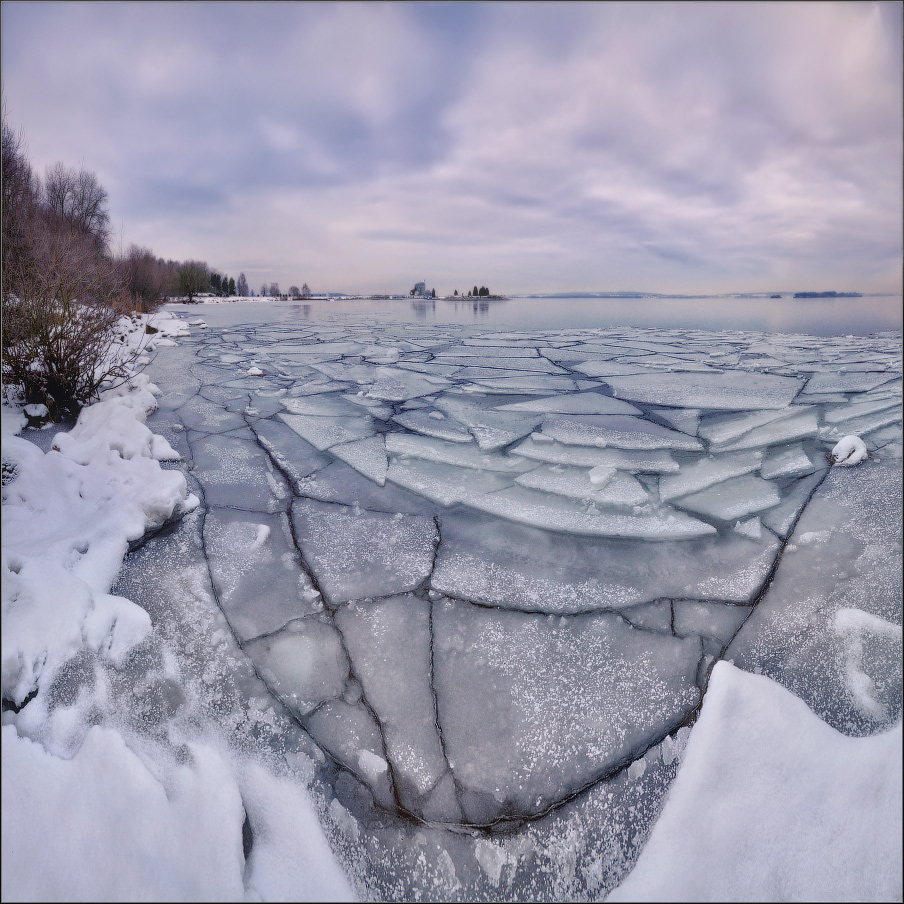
<point x="59" y="319"/>
<point x="77" y="200"/>
<point x="145" y="278"/>
<point x="20" y="198"/>
<point x="241" y="287"/>
<point x="194" y="277"/>
<point x="274" y="289"/>
<point x="294" y="291"/>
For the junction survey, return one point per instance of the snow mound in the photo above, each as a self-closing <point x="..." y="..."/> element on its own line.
<point x="849" y="450"/>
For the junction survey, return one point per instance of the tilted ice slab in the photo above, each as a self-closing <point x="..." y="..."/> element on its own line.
<point x="358" y="554"/>
<point x="532" y="363"/>
<point x="541" y="447"/>
<point x="858" y="409"/>
<point x="622" y="431"/>
<point x="366" y="456"/>
<point x="396" y="385"/>
<point x="534" y="710"/>
<point x="725" y="390"/>
<point x="707" y="472"/>
<point x="721" y="429"/>
<point x="445" y="484"/>
<point x="687" y="420"/>
<point x="389" y="643"/>
<point x="834" y="381"/>
<point x="798" y="426"/>
<point x="561" y="514"/>
<point x="434" y="423"/>
<point x="324" y="432"/>
<point x="734" y="498"/>
<point x="573" y="403"/>
<point x="620" y="489"/>
<point x="525" y="384"/>
<point x="787" y="462"/>
<point x="608" y="369"/>
<point x="491" y="429"/>
<point x="465" y="456"/>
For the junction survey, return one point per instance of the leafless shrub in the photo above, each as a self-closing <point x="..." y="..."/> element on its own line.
<point x="61" y="305"/>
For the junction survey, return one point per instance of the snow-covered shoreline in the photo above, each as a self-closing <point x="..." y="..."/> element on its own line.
<point x="71" y="761"/>
<point x="92" y="810"/>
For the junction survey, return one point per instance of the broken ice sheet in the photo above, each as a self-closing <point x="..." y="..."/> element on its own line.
<point x="304" y="663"/>
<point x="733" y="498"/>
<point x="389" y="642"/>
<point x="255" y="569"/>
<point x="515" y="565"/>
<point x="621" y="431"/>
<point x="323" y="432"/>
<point x="534" y="709"/>
<point x="620" y="490"/>
<point x="727" y="389"/>
<point x="356" y="554"/>
<point x="554" y="512"/>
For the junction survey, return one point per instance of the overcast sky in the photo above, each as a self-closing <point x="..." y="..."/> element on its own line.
<point x="660" y="147"/>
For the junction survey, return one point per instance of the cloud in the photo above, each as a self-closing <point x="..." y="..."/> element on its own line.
<point x="537" y="147"/>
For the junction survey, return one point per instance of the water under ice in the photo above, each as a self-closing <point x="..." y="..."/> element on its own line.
<point x="490" y="575"/>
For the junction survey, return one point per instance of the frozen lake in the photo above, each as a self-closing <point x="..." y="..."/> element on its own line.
<point x="486" y="556"/>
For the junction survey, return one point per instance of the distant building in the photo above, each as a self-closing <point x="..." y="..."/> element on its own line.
<point x="420" y="289"/>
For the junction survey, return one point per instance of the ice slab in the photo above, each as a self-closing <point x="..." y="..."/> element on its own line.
<point x="294" y="457"/>
<point x="724" y="390"/>
<point x="636" y="461"/>
<point x="425" y="423"/>
<point x="790" y="462"/>
<point x="573" y="403"/>
<point x="687" y="420"/>
<point x="443" y="483"/>
<point x="733" y="498"/>
<point x="348" y="731"/>
<point x="389" y="642"/>
<point x="465" y="456"/>
<point x="798" y="426"/>
<point x="305" y="663"/>
<point x="706" y="472"/>
<point x="620" y="490"/>
<point x="837" y="415"/>
<point x="836" y="381"/>
<point x="324" y="432"/>
<point x="341" y="483"/>
<point x="721" y="429"/>
<point x="366" y="456"/>
<point x="526" y="384"/>
<point x="236" y="472"/>
<point x="621" y="431"/>
<point x="716" y="620"/>
<point x="359" y="554"/>
<point x="491" y="429"/>
<point x="256" y="572"/>
<point x="396" y="385"/>
<point x="533" y="710"/>
<point x="558" y="513"/>
<point x="606" y="369"/>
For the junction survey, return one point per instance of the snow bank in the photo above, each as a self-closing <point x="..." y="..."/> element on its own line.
<point x="772" y="804"/>
<point x="90" y="809"/>
<point x="68" y="518"/>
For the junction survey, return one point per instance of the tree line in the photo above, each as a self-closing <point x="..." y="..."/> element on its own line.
<point x="62" y="287"/>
